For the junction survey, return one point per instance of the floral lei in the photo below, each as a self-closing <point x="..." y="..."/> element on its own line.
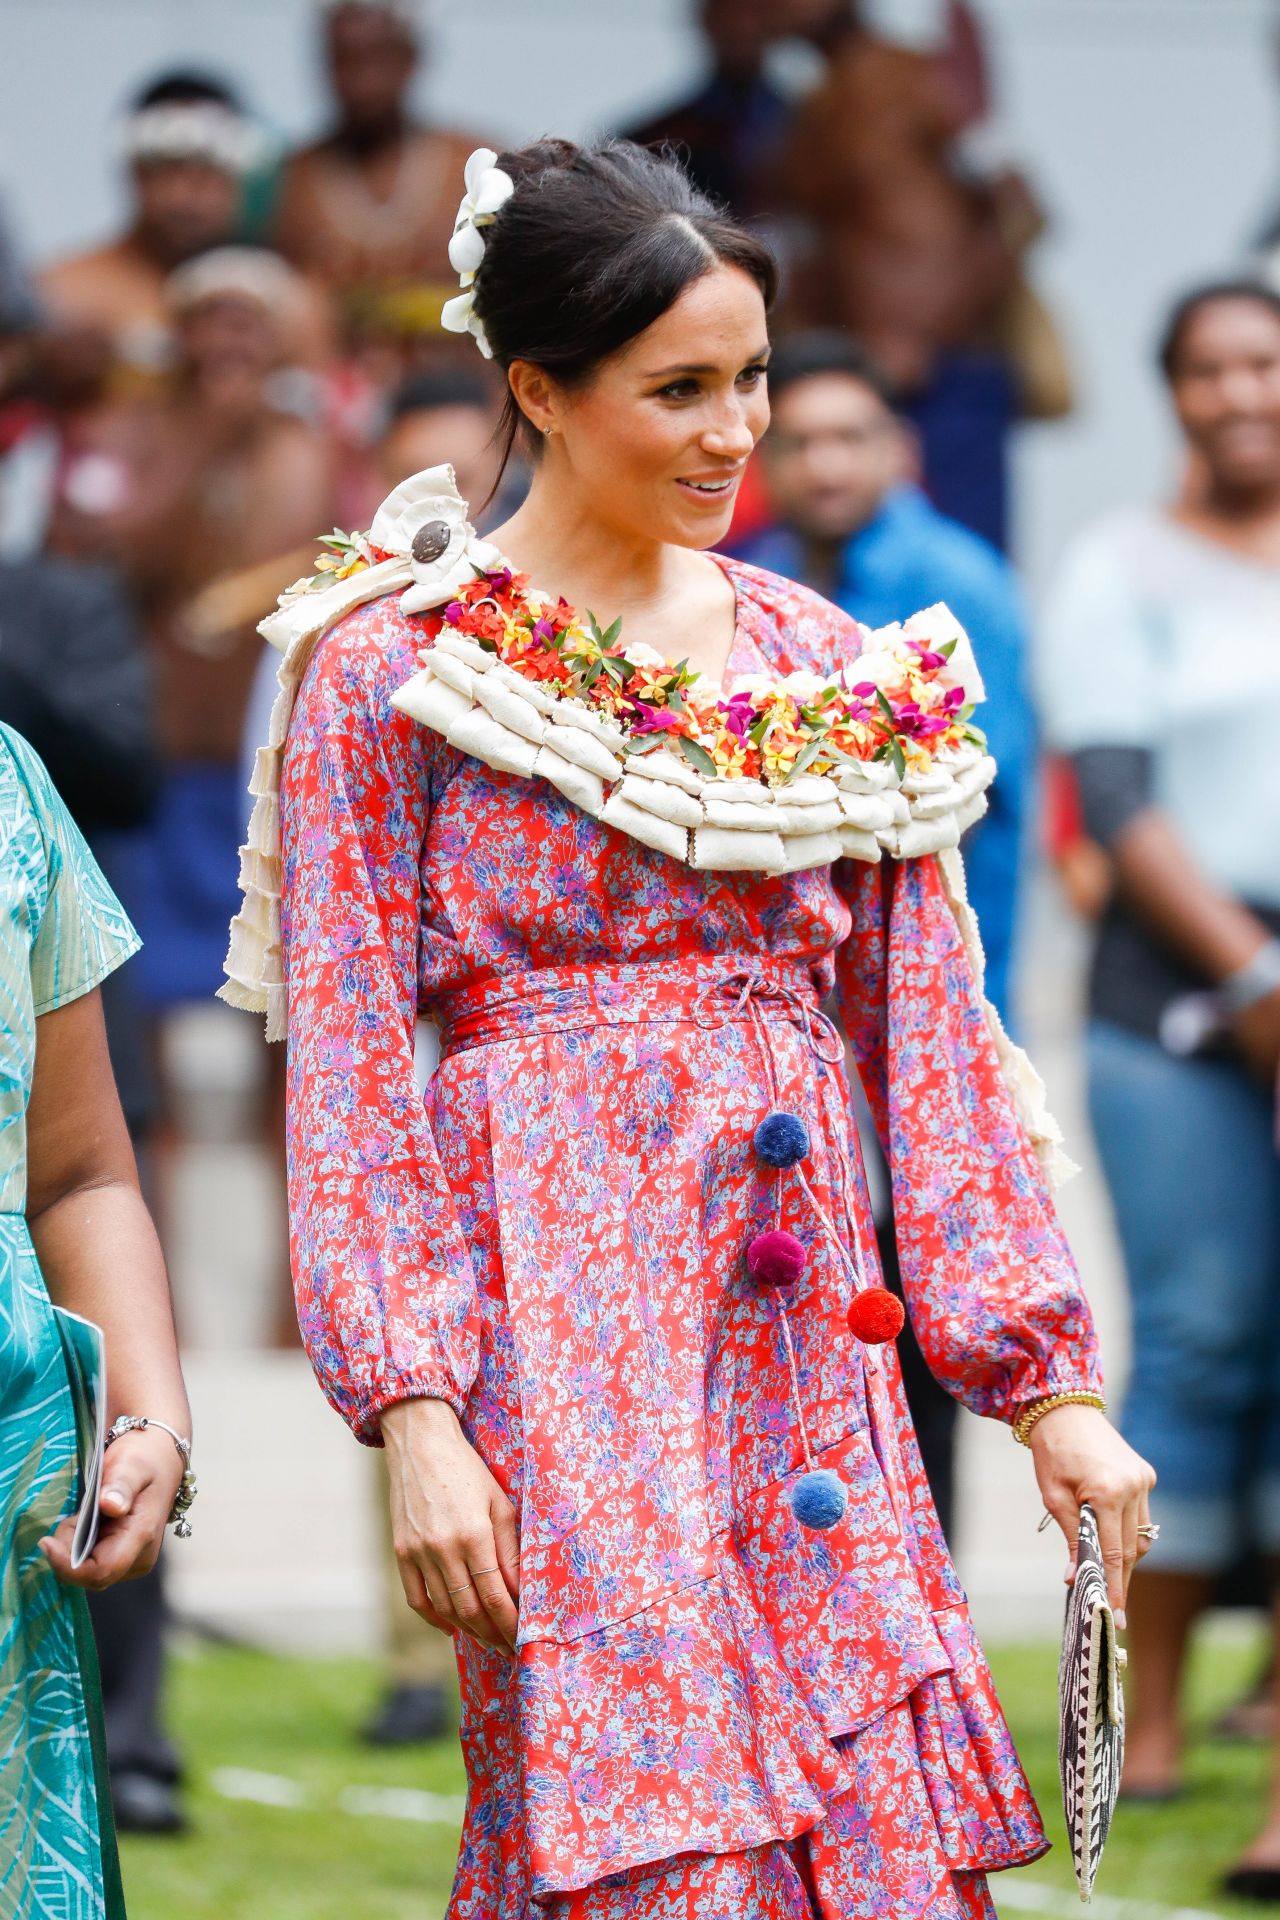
<point x="899" y="709"/>
<point x="770" y="730"/>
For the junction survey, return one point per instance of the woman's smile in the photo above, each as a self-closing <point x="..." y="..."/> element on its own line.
<point x="713" y="490"/>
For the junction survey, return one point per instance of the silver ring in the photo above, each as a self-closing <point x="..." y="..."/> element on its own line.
<point x="480" y="1572"/>
<point x="1149" y="1532"/>
<point x="462" y="1589"/>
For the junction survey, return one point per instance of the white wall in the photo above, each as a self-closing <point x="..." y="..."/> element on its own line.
<point x="1148" y="125"/>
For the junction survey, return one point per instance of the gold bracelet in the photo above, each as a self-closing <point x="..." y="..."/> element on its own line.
<point x="1026" y="1420"/>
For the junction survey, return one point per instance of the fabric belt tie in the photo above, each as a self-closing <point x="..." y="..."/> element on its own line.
<point x="576" y="999"/>
<point x="752" y="992"/>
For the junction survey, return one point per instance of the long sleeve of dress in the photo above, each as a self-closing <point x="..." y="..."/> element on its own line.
<point x="992" y="1289"/>
<point x="386" y="1293"/>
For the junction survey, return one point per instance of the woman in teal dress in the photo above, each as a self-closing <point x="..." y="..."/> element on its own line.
<point x="74" y="1234"/>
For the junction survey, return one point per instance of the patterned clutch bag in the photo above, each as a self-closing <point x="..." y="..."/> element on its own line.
<point x="1091" y="1709"/>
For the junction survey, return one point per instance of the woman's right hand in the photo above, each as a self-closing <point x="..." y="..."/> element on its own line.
<point x="141" y="1474"/>
<point x="454" y="1528"/>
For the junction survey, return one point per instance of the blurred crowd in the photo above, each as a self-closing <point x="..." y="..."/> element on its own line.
<point x="258" y="355"/>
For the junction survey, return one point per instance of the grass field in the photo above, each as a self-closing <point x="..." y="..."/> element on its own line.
<point x="355" y="1835"/>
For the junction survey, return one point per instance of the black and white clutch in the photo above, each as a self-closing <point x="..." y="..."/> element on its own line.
<point x="1091" y="1708"/>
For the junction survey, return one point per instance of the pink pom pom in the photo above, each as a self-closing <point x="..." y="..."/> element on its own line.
<point x="776" y="1259"/>
<point x="876" y="1316"/>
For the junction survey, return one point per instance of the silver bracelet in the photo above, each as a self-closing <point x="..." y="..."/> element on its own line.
<point x="1259" y="976"/>
<point x="182" y="1499"/>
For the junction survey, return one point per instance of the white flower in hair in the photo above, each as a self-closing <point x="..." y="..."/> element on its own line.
<point x="488" y="189"/>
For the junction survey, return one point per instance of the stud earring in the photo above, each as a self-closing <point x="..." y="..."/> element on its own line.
<point x="548" y="430"/>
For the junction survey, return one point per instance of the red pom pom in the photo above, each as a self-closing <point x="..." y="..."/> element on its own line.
<point x="876" y="1316"/>
<point x="776" y="1259"/>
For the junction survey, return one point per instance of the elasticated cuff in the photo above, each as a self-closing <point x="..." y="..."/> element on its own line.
<point x="367" y="1425"/>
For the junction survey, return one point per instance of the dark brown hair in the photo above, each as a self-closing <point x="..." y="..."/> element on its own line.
<point x="594" y="244"/>
<point x="1192" y="305"/>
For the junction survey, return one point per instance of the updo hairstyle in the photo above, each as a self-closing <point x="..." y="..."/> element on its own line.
<point x="594" y="244"/>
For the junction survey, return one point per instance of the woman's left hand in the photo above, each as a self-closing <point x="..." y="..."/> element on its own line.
<point x="1080" y="1457"/>
<point x="140" y="1476"/>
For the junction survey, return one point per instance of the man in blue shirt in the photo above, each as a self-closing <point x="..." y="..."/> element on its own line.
<point x="852" y="522"/>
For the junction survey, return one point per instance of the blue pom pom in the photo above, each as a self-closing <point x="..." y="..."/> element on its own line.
<point x="781" y="1140"/>
<point x="818" y="1499"/>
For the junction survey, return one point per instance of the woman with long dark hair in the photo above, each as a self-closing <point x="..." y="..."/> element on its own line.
<point x="611" y="811"/>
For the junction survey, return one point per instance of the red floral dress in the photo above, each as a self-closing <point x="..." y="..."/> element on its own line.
<point x="712" y="1710"/>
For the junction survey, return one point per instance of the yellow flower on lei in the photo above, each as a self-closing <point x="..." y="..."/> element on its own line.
<point x="338" y="567"/>
<point x="731" y="755"/>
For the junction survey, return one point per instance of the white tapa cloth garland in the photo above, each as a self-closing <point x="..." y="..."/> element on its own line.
<point x="428" y="501"/>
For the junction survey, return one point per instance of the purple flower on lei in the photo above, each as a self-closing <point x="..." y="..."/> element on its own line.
<point x="646" y="719"/>
<point x="739" y="713"/>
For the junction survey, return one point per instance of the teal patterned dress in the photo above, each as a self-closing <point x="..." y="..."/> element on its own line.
<point x="61" y="932"/>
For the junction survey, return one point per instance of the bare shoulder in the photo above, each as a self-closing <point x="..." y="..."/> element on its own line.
<point x="304" y="159"/>
<point x="78" y="277"/>
<point x="446" y="142"/>
<point x="457" y="141"/>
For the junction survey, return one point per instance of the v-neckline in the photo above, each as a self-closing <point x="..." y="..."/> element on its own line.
<point x="727" y="672"/>
<point x="727" y="567"/>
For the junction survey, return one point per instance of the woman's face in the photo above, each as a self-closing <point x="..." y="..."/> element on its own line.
<point x="659" y="439"/>
<point x="1226" y="387"/>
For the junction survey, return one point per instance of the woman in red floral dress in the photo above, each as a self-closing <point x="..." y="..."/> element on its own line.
<point x="595" y="1293"/>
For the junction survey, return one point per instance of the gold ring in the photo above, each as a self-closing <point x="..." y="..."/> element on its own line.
<point x="1149" y="1532"/>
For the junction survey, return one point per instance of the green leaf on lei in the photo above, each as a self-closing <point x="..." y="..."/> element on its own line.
<point x="696" y="754"/>
<point x="804" y="759"/>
